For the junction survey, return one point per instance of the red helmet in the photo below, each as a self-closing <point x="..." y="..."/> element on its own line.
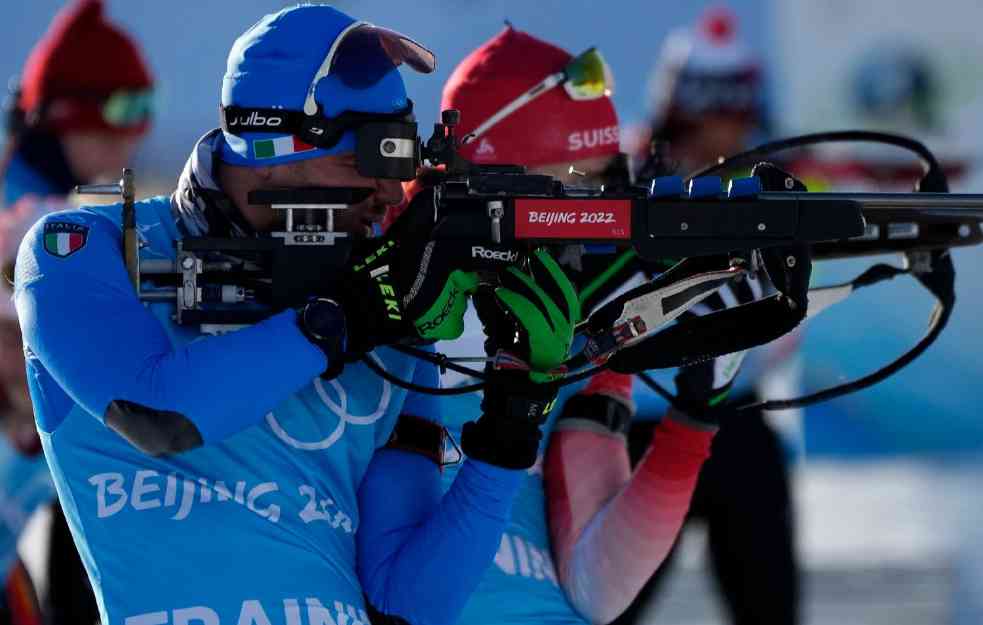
<point x="553" y="128"/>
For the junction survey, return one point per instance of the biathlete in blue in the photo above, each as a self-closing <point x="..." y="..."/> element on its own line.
<point x="238" y="478"/>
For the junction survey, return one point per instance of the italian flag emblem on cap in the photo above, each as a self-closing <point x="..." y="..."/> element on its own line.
<point x="63" y="239"/>
<point x="281" y="146"/>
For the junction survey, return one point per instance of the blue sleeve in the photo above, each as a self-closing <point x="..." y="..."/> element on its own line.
<point x="423" y="404"/>
<point x="81" y="319"/>
<point x="421" y="556"/>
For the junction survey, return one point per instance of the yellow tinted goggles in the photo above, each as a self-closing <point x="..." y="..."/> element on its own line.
<point x="588" y="77"/>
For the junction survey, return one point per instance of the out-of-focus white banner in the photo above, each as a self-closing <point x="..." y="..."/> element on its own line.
<point x="902" y="65"/>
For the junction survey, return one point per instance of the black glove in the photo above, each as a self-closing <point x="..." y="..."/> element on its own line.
<point x="410" y="284"/>
<point x="507" y="434"/>
<point x="530" y="317"/>
<point x="701" y="387"/>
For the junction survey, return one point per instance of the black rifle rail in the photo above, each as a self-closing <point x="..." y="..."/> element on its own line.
<point x="939" y="221"/>
<point x="660" y="228"/>
<point x="832" y="223"/>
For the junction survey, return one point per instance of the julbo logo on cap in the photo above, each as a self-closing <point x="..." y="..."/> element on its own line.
<point x="255" y="119"/>
<point x="268" y="89"/>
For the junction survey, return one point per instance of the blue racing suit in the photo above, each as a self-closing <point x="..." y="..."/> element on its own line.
<point x="521" y="586"/>
<point x="260" y="523"/>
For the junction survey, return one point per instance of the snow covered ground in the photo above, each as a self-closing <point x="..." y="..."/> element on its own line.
<point x="879" y="542"/>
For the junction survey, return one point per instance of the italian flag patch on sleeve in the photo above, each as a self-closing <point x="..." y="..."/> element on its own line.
<point x="63" y="239"/>
<point x="281" y="146"/>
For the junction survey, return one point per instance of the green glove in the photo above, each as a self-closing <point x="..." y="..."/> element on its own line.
<point x="413" y="284"/>
<point x="531" y="316"/>
<point x="543" y="306"/>
<point x="399" y="288"/>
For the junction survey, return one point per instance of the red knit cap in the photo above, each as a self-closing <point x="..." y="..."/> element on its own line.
<point x="76" y="66"/>
<point x="552" y="129"/>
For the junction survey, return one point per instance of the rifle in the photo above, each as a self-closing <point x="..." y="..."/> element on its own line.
<point x="713" y="235"/>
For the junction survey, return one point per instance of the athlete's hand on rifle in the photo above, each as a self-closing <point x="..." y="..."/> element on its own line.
<point x="404" y="285"/>
<point x="700" y="388"/>
<point x="528" y="319"/>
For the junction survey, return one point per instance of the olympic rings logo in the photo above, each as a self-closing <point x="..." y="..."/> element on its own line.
<point x="339" y="408"/>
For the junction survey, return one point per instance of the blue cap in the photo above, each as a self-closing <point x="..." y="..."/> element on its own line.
<point x="344" y="64"/>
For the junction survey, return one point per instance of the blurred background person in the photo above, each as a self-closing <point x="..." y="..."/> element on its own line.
<point x="706" y="98"/>
<point x="705" y="94"/>
<point x="75" y="116"/>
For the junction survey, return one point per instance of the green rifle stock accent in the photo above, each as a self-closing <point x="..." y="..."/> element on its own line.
<point x="619" y="263"/>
